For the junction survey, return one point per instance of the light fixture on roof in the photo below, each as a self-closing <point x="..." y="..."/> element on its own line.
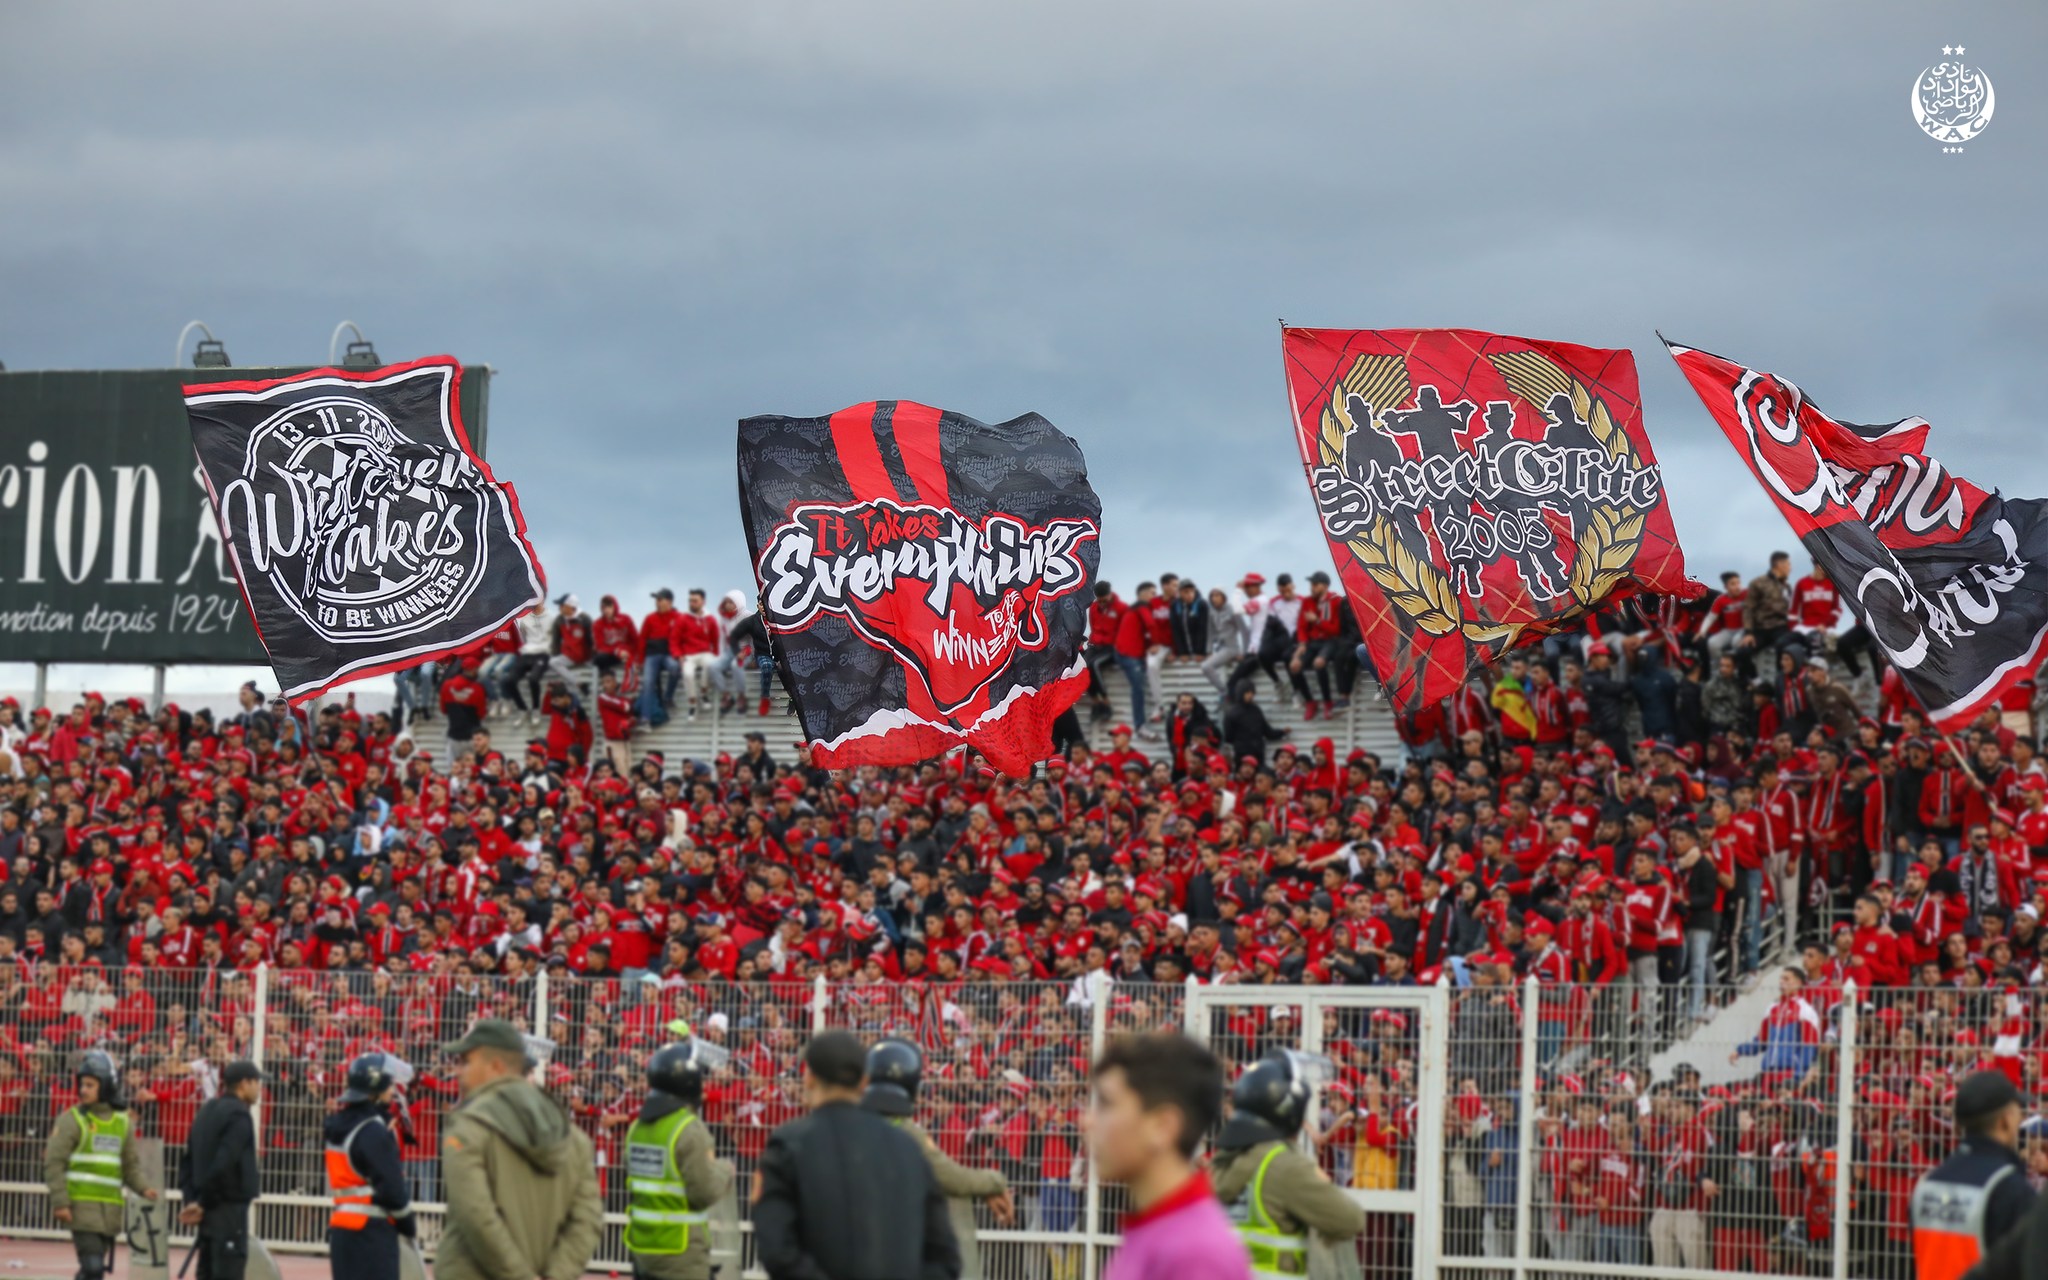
<point x="209" y="354"/>
<point x="360" y="354"/>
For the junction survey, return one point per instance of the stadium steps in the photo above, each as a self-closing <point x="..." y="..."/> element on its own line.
<point x="1710" y="1042"/>
<point x="1368" y="725"/>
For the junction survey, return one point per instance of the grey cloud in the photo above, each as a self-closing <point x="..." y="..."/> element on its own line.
<point x="658" y="219"/>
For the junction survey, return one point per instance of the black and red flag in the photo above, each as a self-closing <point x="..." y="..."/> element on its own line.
<point x="365" y="532"/>
<point x="1952" y="581"/>
<point x="925" y="578"/>
<point x="1478" y="491"/>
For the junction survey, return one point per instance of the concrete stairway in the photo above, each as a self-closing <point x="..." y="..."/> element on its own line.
<point x="1369" y="724"/>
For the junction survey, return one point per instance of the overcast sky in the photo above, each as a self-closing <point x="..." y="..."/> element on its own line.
<point x="655" y="219"/>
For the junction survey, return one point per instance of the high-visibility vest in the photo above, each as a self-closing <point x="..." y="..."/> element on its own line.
<point x="348" y="1190"/>
<point x="93" y="1174"/>
<point x="1275" y="1255"/>
<point x="1948" y="1225"/>
<point x="658" y="1214"/>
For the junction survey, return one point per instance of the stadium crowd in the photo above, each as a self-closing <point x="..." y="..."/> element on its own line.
<point x="1628" y="814"/>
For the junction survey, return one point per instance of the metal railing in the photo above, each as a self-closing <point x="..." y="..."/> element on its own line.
<point x="1006" y="1071"/>
<point x="1581" y="1127"/>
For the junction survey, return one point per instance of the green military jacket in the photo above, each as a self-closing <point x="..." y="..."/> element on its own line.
<point x="1297" y="1197"/>
<point x="523" y="1200"/>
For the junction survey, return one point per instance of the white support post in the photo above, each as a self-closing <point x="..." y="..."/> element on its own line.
<point x="1525" y="1130"/>
<point x="260" y="1030"/>
<point x="538" y="1073"/>
<point x="1435" y="1040"/>
<point x="821" y="1000"/>
<point x="1845" y="1129"/>
<point x="1098" y="1040"/>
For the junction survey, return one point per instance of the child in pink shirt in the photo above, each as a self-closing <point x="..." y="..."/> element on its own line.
<point x="1155" y="1096"/>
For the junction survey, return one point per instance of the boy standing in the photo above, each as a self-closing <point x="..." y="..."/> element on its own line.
<point x="1155" y="1096"/>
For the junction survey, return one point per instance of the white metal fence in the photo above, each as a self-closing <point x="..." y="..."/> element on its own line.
<point x="1006" y="1073"/>
<point x="1488" y="1129"/>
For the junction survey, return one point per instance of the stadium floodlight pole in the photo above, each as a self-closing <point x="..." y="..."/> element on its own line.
<point x="360" y="354"/>
<point x="211" y="354"/>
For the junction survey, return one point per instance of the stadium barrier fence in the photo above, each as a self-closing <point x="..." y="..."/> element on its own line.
<point x="1666" y="1138"/>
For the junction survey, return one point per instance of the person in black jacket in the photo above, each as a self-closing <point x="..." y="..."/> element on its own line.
<point x="1245" y="727"/>
<point x="221" y="1178"/>
<point x="843" y="1194"/>
<point x="1607" y="700"/>
<point x="747" y="633"/>
<point x="2023" y="1254"/>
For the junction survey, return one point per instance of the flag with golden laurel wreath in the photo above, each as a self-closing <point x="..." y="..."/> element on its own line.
<point x="1479" y="491"/>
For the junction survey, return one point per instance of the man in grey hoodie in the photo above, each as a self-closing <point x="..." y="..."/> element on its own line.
<point x="523" y="1201"/>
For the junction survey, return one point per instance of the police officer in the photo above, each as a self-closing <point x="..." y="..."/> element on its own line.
<point x="1972" y="1199"/>
<point x="843" y="1194"/>
<point x="89" y="1158"/>
<point x="670" y="1172"/>
<point x="1277" y="1195"/>
<point x="365" y="1181"/>
<point x="895" y="1071"/>
<point x="221" y="1177"/>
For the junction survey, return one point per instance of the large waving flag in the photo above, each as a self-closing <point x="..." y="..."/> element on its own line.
<point x="1478" y="491"/>
<point x="925" y="578"/>
<point x="366" y="533"/>
<point x="1951" y="580"/>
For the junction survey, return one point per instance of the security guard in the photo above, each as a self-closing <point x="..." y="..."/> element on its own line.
<point x="221" y="1177"/>
<point x="90" y="1157"/>
<point x="1277" y="1195"/>
<point x="1972" y="1199"/>
<point x="365" y="1181"/>
<point x="670" y="1172"/>
<point x="895" y="1070"/>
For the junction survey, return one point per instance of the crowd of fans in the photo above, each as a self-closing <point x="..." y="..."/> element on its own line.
<point x="1636" y="815"/>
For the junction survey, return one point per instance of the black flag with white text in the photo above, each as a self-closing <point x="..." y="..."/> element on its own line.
<point x="1951" y="580"/>
<point x="365" y="532"/>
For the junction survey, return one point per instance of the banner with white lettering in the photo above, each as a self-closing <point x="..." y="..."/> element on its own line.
<point x="925" y="578"/>
<point x="1952" y="581"/>
<point x="365" y="532"/>
<point x="1478" y="492"/>
<point x="109" y="551"/>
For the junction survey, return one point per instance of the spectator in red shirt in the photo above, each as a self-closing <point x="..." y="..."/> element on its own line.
<point x="1144" y="641"/>
<point x="1723" y="630"/>
<point x="1816" y="608"/>
<point x="697" y="638"/>
<point x="661" y="668"/>
<point x="1319" y="647"/>
<point x="572" y="645"/>
<point x="615" y="641"/>
<point x="1105" y="614"/>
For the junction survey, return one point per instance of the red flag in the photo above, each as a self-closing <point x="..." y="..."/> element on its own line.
<point x="1478" y="491"/>
<point x="1951" y="580"/>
